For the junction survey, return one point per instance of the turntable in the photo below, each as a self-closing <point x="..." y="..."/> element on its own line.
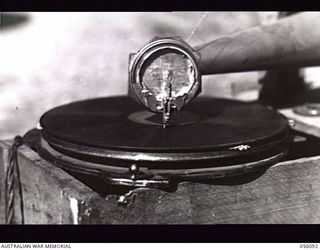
<point x="163" y="132"/>
<point x="165" y="137"/>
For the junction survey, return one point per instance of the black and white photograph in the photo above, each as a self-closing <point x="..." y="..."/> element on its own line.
<point x="171" y="117"/>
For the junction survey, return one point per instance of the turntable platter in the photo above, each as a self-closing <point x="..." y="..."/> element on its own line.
<point x="119" y="131"/>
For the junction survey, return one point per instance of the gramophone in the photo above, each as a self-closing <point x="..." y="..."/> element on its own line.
<point x="163" y="132"/>
<point x="165" y="152"/>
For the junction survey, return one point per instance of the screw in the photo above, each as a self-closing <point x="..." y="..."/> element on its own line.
<point x="291" y="123"/>
<point x="133" y="170"/>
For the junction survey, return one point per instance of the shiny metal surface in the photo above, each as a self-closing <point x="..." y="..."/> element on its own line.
<point x="308" y="109"/>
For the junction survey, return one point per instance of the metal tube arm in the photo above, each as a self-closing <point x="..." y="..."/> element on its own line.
<point x="291" y="41"/>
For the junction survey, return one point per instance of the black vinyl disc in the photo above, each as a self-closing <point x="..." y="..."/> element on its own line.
<point x="207" y="132"/>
